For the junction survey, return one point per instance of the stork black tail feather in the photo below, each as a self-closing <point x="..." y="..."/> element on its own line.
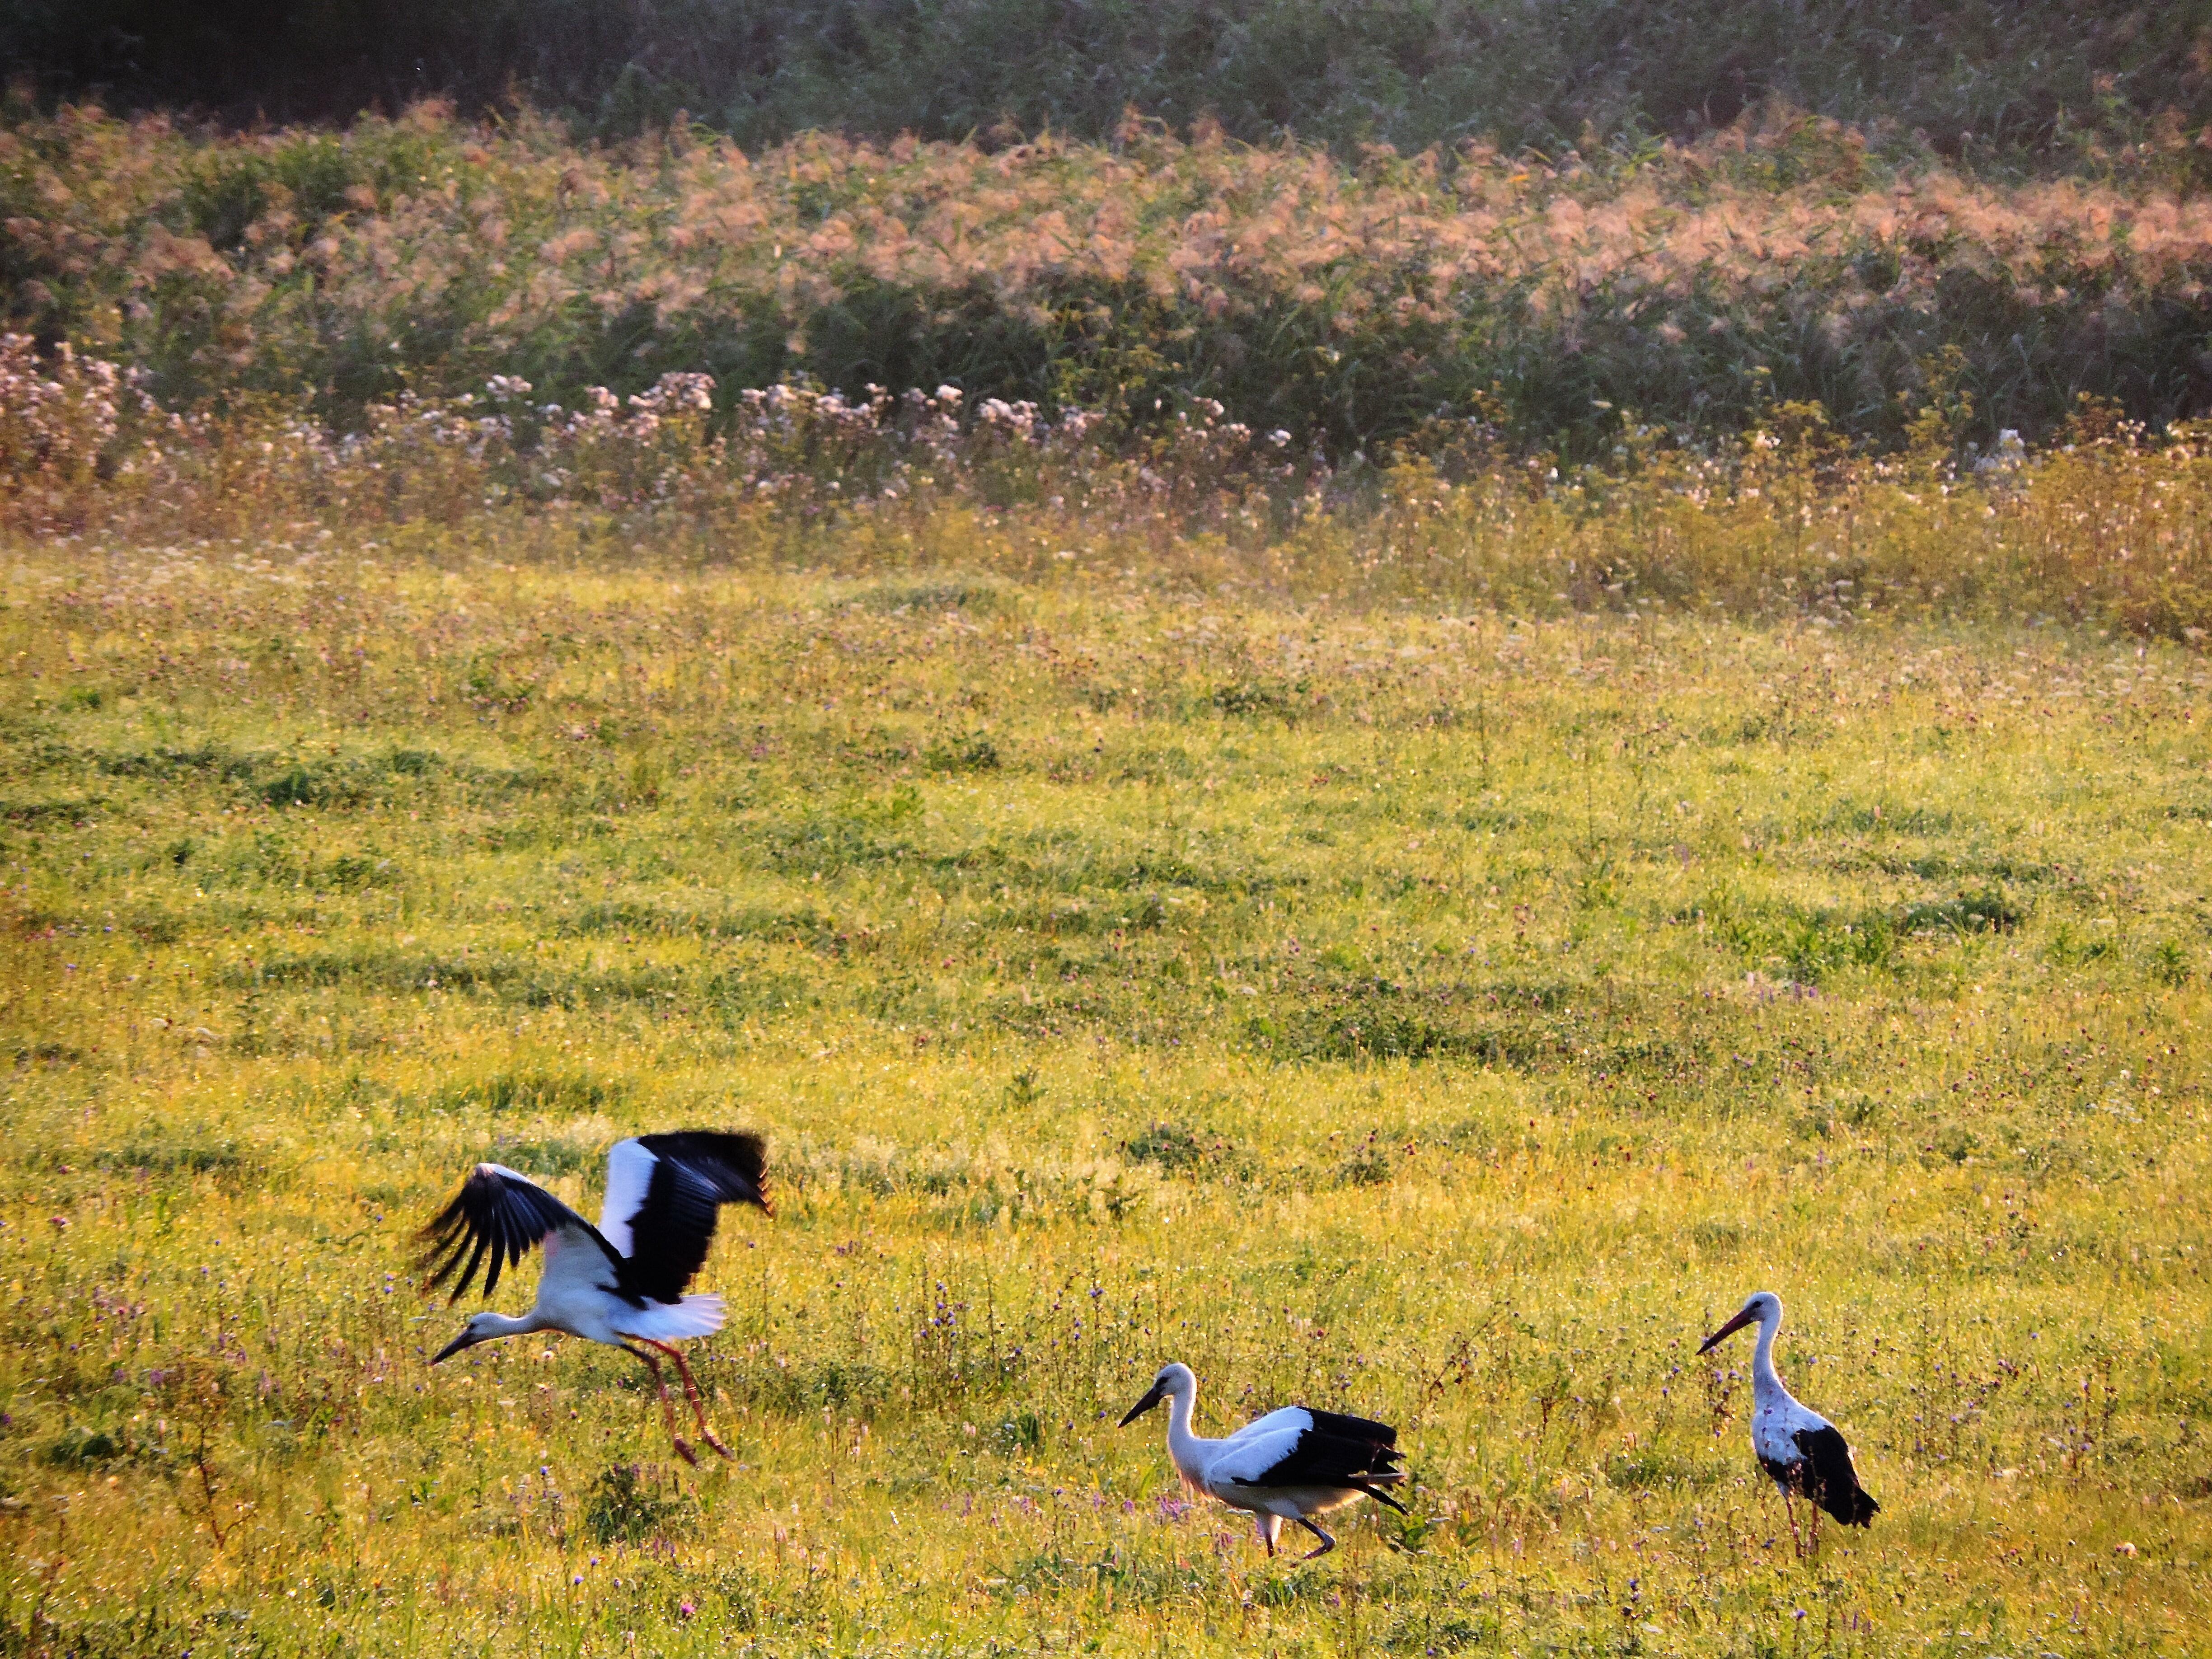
<point x="1854" y="1507"/>
<point x="1379" y="1496"/>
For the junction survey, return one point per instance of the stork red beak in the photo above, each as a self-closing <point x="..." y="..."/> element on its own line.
<point x="1730" y="1329"/>
<point x="1152" y="1397"/>
<point x="463" y="1340"/>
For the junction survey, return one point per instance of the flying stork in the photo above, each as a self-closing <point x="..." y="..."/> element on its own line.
<point x="1805" y="1453"/>
<point x="1290" y="1465"/>
<point x="621" y="1280"/>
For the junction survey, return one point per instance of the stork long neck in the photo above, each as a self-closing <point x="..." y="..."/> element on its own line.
<point x="497" y="1325"/>
<point x="1764" y="1380"/>
<point x="1183" y="1445"/>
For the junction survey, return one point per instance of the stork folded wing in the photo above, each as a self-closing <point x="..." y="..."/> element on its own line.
<point x="1829" y="1478"/>
<point x="497" y="1212"/>
<point x="1345" y="1427"/>
<point x="1331" y="1450"/>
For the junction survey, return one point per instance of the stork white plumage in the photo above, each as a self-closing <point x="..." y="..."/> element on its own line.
<point x="1290" y="1465"/>
<point x="1804" y="1453"/>
<point x="622" y="1281"/>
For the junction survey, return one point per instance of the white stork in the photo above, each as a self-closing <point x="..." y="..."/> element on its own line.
<point x="621" y="1280"/>
<point x="1805" y="1453"/>
<point x="1290" y="1465"/>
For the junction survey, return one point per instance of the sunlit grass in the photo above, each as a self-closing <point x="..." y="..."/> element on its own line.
<point x="1444" y="1017"/>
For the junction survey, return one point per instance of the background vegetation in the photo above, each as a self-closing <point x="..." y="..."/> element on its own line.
<point x="2010" y="85"/>
<point x="2110" y="527"/>
<point x="1441" y="1015"/>
<point x="1350" y="304"/>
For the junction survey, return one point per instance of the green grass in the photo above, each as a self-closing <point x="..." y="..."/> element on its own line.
<point x="1450" y="1019"/>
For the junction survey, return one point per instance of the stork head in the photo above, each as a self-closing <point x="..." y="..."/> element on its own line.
<point x="1760" y="1307"/>
<point x="482" y="1327"/>
<point x="1175" y="1380"/>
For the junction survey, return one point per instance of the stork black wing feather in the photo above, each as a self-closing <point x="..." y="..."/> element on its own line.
<point x="1353" y="1428"/>
<point x="1363" y="1454"/>
<point x="734" y="1162"/>
<point x="492" y="1221"/>
<point x="1827" y="1477"/>
<point x="694" y="1173"/>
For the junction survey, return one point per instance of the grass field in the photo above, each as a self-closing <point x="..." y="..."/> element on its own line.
<point x="1447" y="1017"/>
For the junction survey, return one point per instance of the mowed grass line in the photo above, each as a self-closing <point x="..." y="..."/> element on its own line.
<point x="1444" y="1018"/>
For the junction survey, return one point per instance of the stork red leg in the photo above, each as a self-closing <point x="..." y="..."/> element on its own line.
<point x="667" y="1405"/>
<point x="691" y="1393"/>
<point x="1327" y="1542"/>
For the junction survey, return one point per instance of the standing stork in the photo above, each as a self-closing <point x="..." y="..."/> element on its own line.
<point x="1290" y="1465"/>
<point x="621" y="1281"/>
<point x="1804" y="1453"/>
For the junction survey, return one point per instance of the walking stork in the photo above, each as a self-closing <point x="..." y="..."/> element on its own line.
<point x="1804" y="1453"/>
<point x="621" y="1281"/>
<point x="1290" y="1465"/>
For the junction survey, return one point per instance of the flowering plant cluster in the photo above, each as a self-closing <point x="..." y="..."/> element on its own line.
<point x="60" y="420"/>
<point x="83" y="445"/>
<point x="2109" y="523"/>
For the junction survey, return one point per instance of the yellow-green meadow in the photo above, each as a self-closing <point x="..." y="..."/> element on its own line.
<point x="1386" y="1006"/>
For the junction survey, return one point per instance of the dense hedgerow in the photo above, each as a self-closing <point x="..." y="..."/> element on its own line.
<point x="1696" y="286"/>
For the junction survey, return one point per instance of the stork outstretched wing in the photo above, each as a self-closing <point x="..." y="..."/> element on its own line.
<point x="498" y="1213"/>
<point x="665" y="1193"/>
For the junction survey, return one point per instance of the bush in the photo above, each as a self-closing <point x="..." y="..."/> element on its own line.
<point x="1440" y="299"/>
